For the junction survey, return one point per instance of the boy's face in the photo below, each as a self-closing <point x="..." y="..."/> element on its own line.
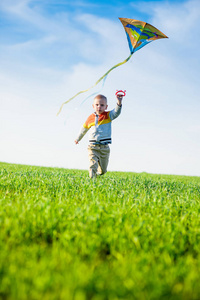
<point x="99" y="105"/>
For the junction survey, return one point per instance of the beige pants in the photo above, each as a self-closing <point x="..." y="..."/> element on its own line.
<point x="98" y="159"/>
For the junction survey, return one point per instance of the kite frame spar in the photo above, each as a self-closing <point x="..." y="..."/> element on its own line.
<point x="138" y="34"/>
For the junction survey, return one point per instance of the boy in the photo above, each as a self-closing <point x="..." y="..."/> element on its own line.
<point x="99" y="124"/>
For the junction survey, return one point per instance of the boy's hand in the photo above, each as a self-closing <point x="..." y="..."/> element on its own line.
<point x="119" y="95"/>
<point x="76" y="142"/>
<point x="119" y="99"/>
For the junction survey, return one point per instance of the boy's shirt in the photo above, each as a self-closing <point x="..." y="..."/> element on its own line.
<point x="100" y="126"/>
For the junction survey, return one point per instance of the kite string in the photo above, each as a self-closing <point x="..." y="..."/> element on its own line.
<point x="105" y="75"/>
<point x="95" y="93"/>
<point x="91" y="95"/>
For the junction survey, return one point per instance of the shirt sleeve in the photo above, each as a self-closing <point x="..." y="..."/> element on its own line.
<point x="115" y="112"/>
<point x="82" y="132"/>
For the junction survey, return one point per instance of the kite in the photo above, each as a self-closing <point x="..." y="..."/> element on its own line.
<point x="138" y="34"/>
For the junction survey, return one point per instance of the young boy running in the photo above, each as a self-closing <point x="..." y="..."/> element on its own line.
<point x="99" y="124"/>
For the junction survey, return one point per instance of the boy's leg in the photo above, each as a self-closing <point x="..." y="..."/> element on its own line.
<point x="93" y="160"/>
<point x="104" y="154"/>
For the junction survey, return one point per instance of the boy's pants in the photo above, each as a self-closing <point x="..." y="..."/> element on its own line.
<point x="98" y="159"/>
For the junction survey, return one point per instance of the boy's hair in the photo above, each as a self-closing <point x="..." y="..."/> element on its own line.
<point x="101" y="97"/>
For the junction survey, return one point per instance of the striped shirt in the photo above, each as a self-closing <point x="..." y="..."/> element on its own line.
<point x="100" y="126"/>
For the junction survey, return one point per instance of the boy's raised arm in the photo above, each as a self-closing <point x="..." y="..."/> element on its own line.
<point x="117" y="110"/>
<point x="119" y="99"/>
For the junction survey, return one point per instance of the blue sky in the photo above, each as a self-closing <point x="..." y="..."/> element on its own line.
<point x="50" y="50"/>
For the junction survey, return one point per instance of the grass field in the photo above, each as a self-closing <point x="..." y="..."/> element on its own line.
<point x="122" y="236"/>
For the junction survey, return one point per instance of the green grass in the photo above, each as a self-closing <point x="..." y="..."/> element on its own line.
<point x="122" y="236"/>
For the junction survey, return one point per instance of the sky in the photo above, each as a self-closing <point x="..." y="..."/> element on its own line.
<point x="52" y="49"/>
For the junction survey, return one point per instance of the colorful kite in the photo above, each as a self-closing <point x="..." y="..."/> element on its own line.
<point x="138" y="34"/>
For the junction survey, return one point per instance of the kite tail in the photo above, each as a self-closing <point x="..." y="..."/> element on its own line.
<point x="121" y="63"/>
<point x="95" y="93"/>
